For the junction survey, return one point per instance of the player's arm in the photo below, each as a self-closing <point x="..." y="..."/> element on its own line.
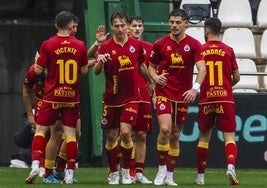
<point x="236" y="77"/>
<point x="190" y="95"/>
<point x="101" y="59"/>
<point x="91" y="63"/>
<point x="84" y="70"/>
<point x="101" y="36"/>
<point x="93" y="49"/>
<point x="201" y="67"/>
<point x="144" y="71"/>
<point x="159" y="79"/>
<point x="38" y="70"/>
<point x="27" y="99"/>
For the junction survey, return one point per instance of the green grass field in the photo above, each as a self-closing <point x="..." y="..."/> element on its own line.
<point x="97" y="177"/>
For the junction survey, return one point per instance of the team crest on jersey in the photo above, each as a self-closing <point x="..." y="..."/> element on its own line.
<point x="132" y="49"/>
<point x="187" y="48"/>
<point x="162" y="106"/>
<point x="104" y="121"/>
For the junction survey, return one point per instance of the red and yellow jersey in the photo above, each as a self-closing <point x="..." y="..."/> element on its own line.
<point x="178" y="60"/>
<point x="63" y="57"/>
<point x="220" y="64"/>
<point x="35" y="82"/>
<point x="143" y="85"/>
<point x="121" y="71"/>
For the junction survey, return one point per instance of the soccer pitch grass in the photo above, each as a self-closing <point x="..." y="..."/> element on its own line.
<point x="97" y="178"/>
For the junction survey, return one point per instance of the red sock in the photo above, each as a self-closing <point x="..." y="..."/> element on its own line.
<point x="139" y="167"/>
<point x="202" y="154"/>
<point x="42" y="160"/>
<point x="61" y="164"/>
<point x="112" y="158"/>
<point x="230" y="153"/>
<point x="132" y="164"/>
<point x="126" y="157"/>
<point x="171" y="163"/>
<point x="48" y="172"/>
<point x="162" y="157"/>
<point x="38" y="147"/>
<point x="71" y="154"/>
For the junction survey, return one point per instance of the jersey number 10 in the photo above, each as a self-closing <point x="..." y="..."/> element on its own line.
<point x="64" y="71"/>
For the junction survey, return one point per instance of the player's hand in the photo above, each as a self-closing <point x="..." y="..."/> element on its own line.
<point x="161" y="79"/>
<point x="101" y="36"/>
<point x="103" y="58"/>
<point x="37" y="55"/>
<point x="190" y="95"/>
<point x="31" y="121"/>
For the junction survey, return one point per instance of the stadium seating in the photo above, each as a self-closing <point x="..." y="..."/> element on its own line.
<point x="196" y="2"/>
<point x="197" y="33"/>
<point x="263" y="45"/>
<point x="242" y="41"/>
<point x="247" y="83"/>
<point x="261" y="14"/>
<point x="235" y="13"/>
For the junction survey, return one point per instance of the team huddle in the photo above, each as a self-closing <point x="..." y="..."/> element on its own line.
<point x="138" y="75"/>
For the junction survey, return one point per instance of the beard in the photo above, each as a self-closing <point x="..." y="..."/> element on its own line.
<point x="175" y="34"/>
<point x="206" y="38"/>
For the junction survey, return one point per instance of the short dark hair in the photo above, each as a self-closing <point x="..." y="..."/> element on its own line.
<point x="214" y="24"/>
<point x="179" y="12"/>
<point x="63" y="19"/>
<point x="137" y="18"/>
<point x="119" y="15"/>
<point x="75" y="19"/>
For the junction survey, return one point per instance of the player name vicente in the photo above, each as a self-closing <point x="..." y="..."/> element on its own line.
<point x="66" y="50"/>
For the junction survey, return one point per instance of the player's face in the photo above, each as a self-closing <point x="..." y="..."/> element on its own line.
<point x="119" y="28"/>
<point x="136" y="29"/>
<point x="74" y="28"/>
<point x="177" y="25"/>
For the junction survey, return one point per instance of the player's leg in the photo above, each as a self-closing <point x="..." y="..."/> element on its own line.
<point x="127" y="120"/>
<point x="110" y="124"/>
<point x="227" y="124"/>
<point x="202" y="154"/>
<point x="231" y="155"/>
<point x="38" y="150"/>
<point x="205" y="123"/>
<point x="143" y="125"/>
<point x="52" y="147"/>
<point x="112" y="151"/>
<point x="163" y="108"/>
<point x="179" y="120"/>
<point x="69" y="122"/>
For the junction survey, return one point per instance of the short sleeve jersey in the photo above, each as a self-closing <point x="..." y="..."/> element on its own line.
<point x="220" y="64"/>
<point x="35" y="82"/>
<point x="178" y="60"/>
<point x="63" y="57"/>
<point x="121" y="71"/>
<point x="143" y="85"/>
